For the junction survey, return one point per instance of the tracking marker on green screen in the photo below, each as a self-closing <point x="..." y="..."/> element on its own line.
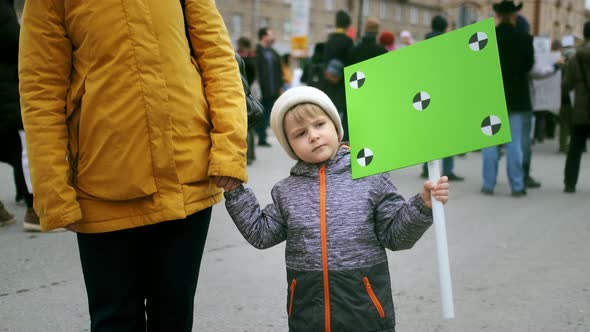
<point x="437" y="98"/>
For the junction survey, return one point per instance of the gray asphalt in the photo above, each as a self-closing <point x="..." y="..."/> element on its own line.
<point x="517" y="264"/>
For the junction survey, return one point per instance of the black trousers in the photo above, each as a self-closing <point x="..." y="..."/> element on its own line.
<point x="267" y="103"/>
<point x="579" y="135"/>
<point x="144" y="279"/>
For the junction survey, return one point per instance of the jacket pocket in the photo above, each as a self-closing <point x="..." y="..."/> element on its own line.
<point x="291" y="295"/>
<point x="373" y="297"/>
<point x="112" y="158"/>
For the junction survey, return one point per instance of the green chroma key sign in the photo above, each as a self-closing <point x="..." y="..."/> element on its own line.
<point x="437" y="98"/>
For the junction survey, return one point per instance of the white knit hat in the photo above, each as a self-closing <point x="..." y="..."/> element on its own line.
<point x="296" y="96"/>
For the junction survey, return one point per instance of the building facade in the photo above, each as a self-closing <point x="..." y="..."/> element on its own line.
<point x="549" y="18"/>
<point x="395" y="16"/>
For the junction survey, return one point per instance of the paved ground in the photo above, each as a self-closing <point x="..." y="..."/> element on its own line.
<point x="517" y="264"/>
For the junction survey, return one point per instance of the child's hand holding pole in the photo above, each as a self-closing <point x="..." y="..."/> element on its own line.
<point x="438" y="191"/>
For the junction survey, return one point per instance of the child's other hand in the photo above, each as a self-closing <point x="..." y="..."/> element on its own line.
<point x="440" y="191"/>
<point x="226" y="182"/>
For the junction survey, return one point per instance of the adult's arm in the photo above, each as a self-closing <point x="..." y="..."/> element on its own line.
<point x="223" y="89"/>
<point x="572" y="74"/>
<point x="45" y="57"/>
<point x="529" y="54"/>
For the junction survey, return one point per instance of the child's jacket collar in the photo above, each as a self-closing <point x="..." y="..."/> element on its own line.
<point x="340" y="163"/>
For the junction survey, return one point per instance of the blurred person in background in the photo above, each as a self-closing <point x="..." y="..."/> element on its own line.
<point x="286" y="69"/>
<point x="249" y="57"/>
<point x="313" y="72"/>
<point x="577" y="79"/>
<point x="387" y="40"/>
<point x="517" y="58"/>
<point x="405" y="39"/>
<point x="368" y="47"/>
<point x="336" y="53"/>
<point x="439" y="26"/>
<point x="269" y="74"/>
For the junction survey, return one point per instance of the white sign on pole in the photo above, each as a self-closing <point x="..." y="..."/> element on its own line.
<point x="299" y="26"/>
<point x="300" y="17"/>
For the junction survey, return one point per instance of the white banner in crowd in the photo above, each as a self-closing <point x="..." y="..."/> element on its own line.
<point x="546" y="90"/>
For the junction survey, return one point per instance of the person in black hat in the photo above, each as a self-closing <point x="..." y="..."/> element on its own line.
<point x="516" y="60"/>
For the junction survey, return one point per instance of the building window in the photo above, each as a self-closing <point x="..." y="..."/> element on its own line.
<point x="398" y="12"/>
<point x="413" y="15"/>
<point x="467" y="15"/>
<point x="556" y="29"/>
<point x="328" y="4"/>
<point x="328" y="29"/>
<point x="264" y="22"/>
<point x="287" y="30"/>
<point x="236" y="25"/>
<point x="426" y="17"/>
<point x="366" y="8"/>
<point x="382" y="9"/>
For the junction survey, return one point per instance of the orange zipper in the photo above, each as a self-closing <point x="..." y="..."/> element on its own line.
<point x="374" y="297"/>
<point x="324" y="246"/>
<point x="292" y="288"/>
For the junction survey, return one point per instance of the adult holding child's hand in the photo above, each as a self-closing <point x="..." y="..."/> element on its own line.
<point x="226" y="182"/>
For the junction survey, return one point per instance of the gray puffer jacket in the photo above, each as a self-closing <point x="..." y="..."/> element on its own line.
<point x="336" y="230"/>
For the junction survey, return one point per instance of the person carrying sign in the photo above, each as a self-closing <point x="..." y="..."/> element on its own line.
<point x="336" y="228"/>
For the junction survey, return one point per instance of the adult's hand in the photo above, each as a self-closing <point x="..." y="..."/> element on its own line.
<point x="226" y="182"/>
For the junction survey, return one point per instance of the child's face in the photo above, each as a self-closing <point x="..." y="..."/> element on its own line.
<point x="314" y="140"/>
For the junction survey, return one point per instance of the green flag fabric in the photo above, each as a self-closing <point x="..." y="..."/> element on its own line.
<point x="437" y="98"/>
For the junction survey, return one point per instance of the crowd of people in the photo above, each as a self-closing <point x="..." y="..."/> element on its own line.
<point x="117" y="145"/>
<point x="522" y="77"/>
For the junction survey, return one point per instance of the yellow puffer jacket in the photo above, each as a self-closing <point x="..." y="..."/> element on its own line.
<point x="122" y="130"/>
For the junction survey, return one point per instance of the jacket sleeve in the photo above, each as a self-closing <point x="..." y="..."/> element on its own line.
<point x="223" y="88"/>
<point x="572" y="74"/>
<point x="399" y="224"/>
<point x="261" y="228"/>
<point x="44" y="71"/>
<point x="529" y="54"/>
<point x="541" y="72"/>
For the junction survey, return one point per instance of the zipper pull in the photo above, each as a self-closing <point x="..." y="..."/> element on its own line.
<point x="366" y="282"/>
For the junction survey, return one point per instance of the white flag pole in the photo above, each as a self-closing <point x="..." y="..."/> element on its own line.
<point x="444" y="270"/>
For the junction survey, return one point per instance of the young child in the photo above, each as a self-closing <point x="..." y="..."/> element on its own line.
<point x="336" y="228"/>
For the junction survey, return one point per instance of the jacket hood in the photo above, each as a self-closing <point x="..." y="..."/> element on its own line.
<point x="340" y="163"/>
